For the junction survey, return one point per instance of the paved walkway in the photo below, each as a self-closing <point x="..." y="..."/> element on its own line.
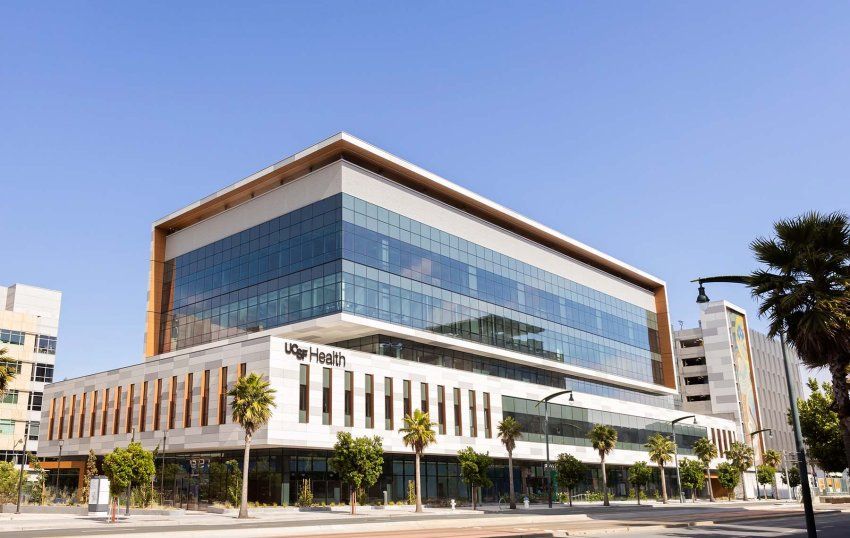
<point x="440" y="523"/>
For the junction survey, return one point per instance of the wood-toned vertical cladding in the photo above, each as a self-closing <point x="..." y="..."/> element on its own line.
<point x="665" y="338"/>
<point x="153" y="319"/>
<point x="51" y="419"/>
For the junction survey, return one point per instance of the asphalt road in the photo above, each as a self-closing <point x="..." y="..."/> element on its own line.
<point x="828" y="525"/>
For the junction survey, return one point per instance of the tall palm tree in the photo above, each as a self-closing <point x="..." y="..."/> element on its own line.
<point x="253" y="400"/>
<point x="706" y="451"/>
<point x="6" y="373"/>
<point x="741" y="457"/>
<point x="508" y="434"/>
<point x="661" y="450"/>
<point x="805" y="291"/>
<point x="774" y="459"/>
<point x="418" y="433"/>
<point x="603" y="439"/>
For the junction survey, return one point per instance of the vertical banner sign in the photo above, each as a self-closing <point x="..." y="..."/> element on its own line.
<point x="743" y="373"/>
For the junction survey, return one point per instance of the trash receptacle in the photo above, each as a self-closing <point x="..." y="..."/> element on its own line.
<point x="99" y="496"/>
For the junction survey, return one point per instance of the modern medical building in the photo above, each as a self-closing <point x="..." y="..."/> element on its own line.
<point x="364" y="287"/>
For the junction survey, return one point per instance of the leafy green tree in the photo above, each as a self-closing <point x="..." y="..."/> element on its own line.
<point x="603" y="439"/>
<point x="692" y="473"/>
<point x="765" y="474"/>
<point x="509" y="432"/>
<point x="820" y="427"/>
<point x="35" y="485"/>
<point x="774" y="459"/>
<point x="358" y="461"/>
<point x="569" y="472"/>
<point x="728" y="476"/>
<point x="129" y="467"/>
<point x="251" y="407"/>
<point x="8" y="482"/>
<point x="741" y="457"/>
<point x="7" y="374"/>
<point x="661" y="451"/>
<point x="473" y="469"/>
<point x="793" y="477"/>
<point x="418" y="433"/>
<point x="91" y="471"/>
<point x="706" y="451"/>
<point x="805" y="289"/>
<point x="639" y="476"/>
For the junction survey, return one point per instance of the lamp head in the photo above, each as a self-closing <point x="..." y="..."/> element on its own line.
<point x="571" y="397"/>
<point x="701" y="296"/>
<point x="695" y="421"/>
<point x="61" y="442"/>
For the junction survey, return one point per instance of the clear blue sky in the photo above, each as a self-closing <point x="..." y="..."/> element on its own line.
<point x="667" y="134"/>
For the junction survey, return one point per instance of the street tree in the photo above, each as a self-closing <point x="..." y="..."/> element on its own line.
<point x="509" y="432"/>
<point x="91" y="472"/>
<point x="741" y="457"/>
<point x="661" y="450"/>
<point x="793" y="477"/>
<point x="251" y="406"/>
<point x="774" y="459"/>
<point x="639" y="476"/>
<point x="821" y="428"/>
<point x="804" y="287"/>
<point x="358" y="461"/>
<point x="728" y="477"/>
<point x="7" y="374"/>
<point x="706" y="451"/>
<point x="692" y="473"/>
<point x="473" y="469"/>
<point x="127" y="468"/>
<point x="569" y="472"/>
<point x="418" y="433"/>
<point x="765" y="474"/>
<point x="603" y="439"/>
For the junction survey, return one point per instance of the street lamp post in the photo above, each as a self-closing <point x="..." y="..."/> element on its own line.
<point x="23" y="463"/>
<point x="58" y="467"/>
<point x="811" y="528"/>
<point x="545" y="402"/>
<point x="755" y="463"/>
<point x="162" y="470"/>
<point x="676" y="453"/>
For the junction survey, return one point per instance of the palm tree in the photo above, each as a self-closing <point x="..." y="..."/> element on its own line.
<point x="253" y="400"/>
<point x="706" y="451"/>
<point x="741" y="457"/>
<point x="508" y="434"/>
<point x="6" y="373"/>
<point x="774" y="459"/>
<point x="805" y="292"/>
<point x="418" y="433"/>
<point x="603" y="439"/>
<point x="661" y="451"/>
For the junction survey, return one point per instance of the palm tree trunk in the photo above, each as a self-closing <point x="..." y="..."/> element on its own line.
<point x="418" y="486"/>
<point x="243" y="503"/>
<point x="511" y="479"/>
<point x="743" y="486"/>
<point x="838" y="369"/>
<point x="605" y="502"/>
<point x="710" y="490"/>
<point x="663" y="485"/>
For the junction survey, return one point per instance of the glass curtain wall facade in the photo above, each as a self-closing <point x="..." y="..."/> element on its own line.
<point x="345" y="254"/>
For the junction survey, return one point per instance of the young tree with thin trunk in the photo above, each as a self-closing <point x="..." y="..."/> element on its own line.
<point x="706" y="451"/>
<point x="741" y="457"/>
<point x="728" y="477"/>
<point x="253" y="400"/>
<point x="639" y="475"/>
<point x="418" y="433"/>
<point x="509" y="432"/>
<point x="473" y="469"/>
<point x="358" y="461"/>
<point x="804" y="287"/>
<point x="692" y="473"/>
<point x="569" y="472"/>
<point x="603" y="439"/>
<point x="661" y="451"/>
<point x="773" y="458"/>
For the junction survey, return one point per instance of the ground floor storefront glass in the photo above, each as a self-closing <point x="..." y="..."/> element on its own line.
<point x="276" y="476"/>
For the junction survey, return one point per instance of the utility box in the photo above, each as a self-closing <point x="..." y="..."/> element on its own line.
<point x="99" y="496"/>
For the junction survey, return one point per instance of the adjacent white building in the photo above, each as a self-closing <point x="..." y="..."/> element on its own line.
<point x="364" y="287"/>
<point x="29" y="328"/>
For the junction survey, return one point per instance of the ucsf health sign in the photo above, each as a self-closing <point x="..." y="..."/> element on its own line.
<point x="314" y="354"/>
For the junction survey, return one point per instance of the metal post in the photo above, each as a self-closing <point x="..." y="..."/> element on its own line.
<point x="23" y="463"/>
<point x="678" y="474"/>
<point x="755" y="463"/>
<point x="162" y="470"/>
<point x="58" y="467"/>
<point x="546" y="469"/>
<point x="811" y="529"/>
<point x="785" y="470"/>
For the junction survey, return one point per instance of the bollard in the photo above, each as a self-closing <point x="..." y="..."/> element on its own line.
<point x="525" y="503"/>
<point x="386" y="495"/>
<point x="453" y="504"/>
